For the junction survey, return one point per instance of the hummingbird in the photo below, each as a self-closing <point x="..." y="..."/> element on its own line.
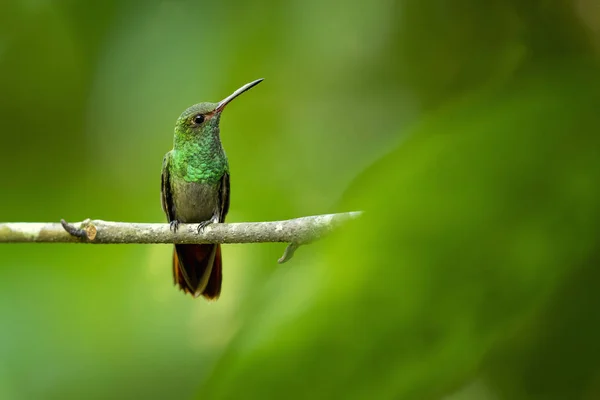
<point x="195" y="189"/>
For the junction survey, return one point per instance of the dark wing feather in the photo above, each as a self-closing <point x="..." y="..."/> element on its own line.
<point x="166" y="197"/>
<point x="224" y="197"/>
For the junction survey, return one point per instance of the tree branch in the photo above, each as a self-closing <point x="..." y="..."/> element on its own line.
<point x="296" y="231"/>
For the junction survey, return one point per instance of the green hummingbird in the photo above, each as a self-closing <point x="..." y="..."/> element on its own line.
<point x="195" y="189"/>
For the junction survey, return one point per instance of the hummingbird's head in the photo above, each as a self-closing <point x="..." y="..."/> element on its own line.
<point x="204" y="117"/>
<point x="197" y="118"/>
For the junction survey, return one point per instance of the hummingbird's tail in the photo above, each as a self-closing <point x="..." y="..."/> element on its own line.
<point x="197" y="269"/>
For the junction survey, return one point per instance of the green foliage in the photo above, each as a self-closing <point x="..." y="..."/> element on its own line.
<point x="466" y="130"/>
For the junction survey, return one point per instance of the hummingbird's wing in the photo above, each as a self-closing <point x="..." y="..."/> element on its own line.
<point x="166" y="197"/>
<point x="224" y="197"/>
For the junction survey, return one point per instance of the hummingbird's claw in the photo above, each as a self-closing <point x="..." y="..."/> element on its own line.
<point x="174" y="225"/>
<point x="204" y="224"/>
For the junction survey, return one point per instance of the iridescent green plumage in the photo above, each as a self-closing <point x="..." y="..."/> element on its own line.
<point x="195" y="189"/>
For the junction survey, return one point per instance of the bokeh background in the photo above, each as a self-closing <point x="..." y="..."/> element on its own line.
<point x="467" y="130"/>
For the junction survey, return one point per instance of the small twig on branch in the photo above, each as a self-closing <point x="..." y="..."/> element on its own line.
<point x="289" y="252"/>
<point x="298" y="231"/>
<point x="74" y="231"/>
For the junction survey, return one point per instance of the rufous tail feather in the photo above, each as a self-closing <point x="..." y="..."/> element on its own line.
<point x="197" y="269"/>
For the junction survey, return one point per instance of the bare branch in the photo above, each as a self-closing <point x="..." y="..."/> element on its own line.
<point x="296" y="231"/>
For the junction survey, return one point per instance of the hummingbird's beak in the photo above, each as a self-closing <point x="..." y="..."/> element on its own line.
<point x="235" y="94"/>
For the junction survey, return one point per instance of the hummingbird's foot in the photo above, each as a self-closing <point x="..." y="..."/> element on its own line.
<point x="174" y="225"/>
<point x="204" y="224"/>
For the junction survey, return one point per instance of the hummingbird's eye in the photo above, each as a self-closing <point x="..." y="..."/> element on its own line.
<point x="198" y="119"/>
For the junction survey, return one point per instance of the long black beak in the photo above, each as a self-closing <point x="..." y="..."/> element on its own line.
<point x="235" y="94"/>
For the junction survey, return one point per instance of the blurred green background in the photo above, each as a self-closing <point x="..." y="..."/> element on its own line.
<point x="467" y="130"/>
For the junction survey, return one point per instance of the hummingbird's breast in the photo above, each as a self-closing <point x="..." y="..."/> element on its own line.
<point x="194" y="201"/>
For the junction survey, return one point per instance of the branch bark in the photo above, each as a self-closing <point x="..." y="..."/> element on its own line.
<point x="296" y="231"/>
